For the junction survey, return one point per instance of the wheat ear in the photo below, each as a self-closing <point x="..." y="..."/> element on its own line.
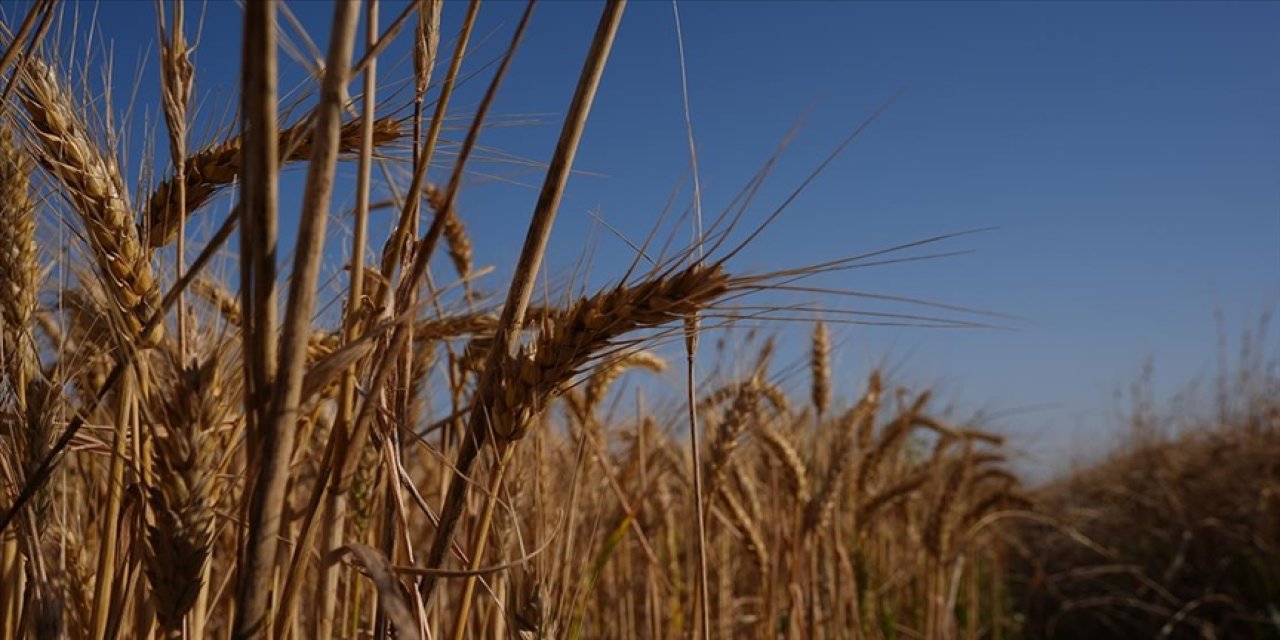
<point x="785" y="452"/>
<point x="93" y="184"/>
<point x="18" y="268"/>
<point x="819" y="508"/>
<point x="606" y="374"/>
<point x="739" y="414"/>
<point x="183" y="497"/>
<point x="218" y="166"/>
<point x="528" y="380"/>
<point x="820" y="368"/>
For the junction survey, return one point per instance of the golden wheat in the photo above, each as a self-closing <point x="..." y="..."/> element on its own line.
<point x="92" y="183"/>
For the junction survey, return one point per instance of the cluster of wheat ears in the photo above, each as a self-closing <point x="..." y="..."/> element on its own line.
<point x="189" y="455"/>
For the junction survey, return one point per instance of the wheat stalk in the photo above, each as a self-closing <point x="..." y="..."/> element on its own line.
<point x="279" y="426"/>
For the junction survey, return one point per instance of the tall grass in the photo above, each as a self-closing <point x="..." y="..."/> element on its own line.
<point x="1174" y="533"/>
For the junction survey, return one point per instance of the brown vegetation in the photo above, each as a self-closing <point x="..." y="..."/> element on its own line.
<point x="1176" y="535"/>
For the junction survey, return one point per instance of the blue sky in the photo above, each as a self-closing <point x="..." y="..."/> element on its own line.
<point x="1128" y="154"/>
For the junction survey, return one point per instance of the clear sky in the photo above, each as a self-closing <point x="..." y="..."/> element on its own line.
<point x="1128" y="154"/>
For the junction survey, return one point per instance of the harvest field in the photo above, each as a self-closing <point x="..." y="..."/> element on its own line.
<point x="256" y="383"/>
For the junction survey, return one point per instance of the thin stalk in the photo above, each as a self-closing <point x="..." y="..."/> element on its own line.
<point x="11" y="573"/>
<point x="402" y="395"/>
<point x="266" y="510"/>
<point x="11" y="52"/>
<point x="181" y="257"/>
<point x="327" y="590"/>
<point x="42" y="9"/>
<point x="104" y="578"/>
<point x="200" y="611"/>
<point x="143" y="608"/>
<point x="176" y="74"/>
<point x="391" y="256"/>
<point x="691" y="349"/>
<point x="701" y="603"/>
<point x="482" y="537"/>
<point x="382" y="536"/>
<point x="259" y="201"/>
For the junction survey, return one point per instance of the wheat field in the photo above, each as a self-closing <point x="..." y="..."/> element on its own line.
<point x="201" y="437"/>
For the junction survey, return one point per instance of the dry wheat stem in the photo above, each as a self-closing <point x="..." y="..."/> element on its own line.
<point x="279" y="427"/>
<point x="328" y="587"/>
<point x="11" y="51"/>
<point x="42" y="9"/>
<point x="327" y="590"/>
<point x="257" y="272"/>
<point x="176" y="83"/>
